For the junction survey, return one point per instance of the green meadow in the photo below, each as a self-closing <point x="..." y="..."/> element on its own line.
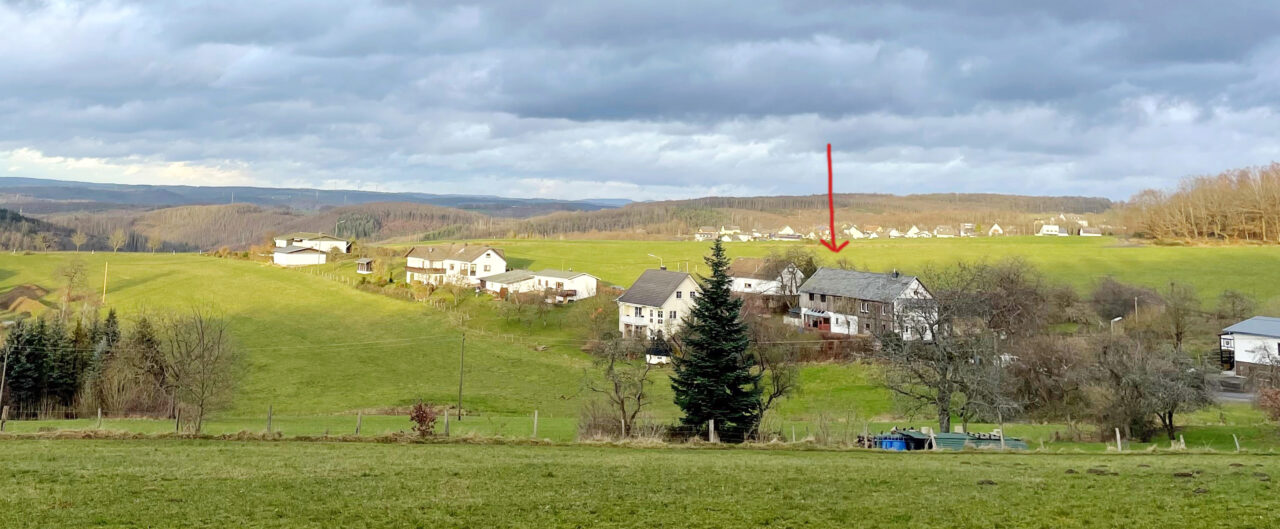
<point x="181" y="483"/>
<point x="318" y="351"/>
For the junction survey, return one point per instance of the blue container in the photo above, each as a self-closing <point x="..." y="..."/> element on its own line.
<point x="894" y="444"/>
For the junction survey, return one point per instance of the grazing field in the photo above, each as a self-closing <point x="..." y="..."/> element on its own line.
<point x="1076" y="261"/>
<point x="297" y="484"/>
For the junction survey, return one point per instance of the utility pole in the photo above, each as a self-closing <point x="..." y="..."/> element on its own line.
<point x="462" y="356"/>
<point x="4" y="371"/>
<point x="105" y="266"/>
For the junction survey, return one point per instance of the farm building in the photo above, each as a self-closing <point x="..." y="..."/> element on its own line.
<point x="298" y="256"/>
<point x="564" y="286"/>
<point x="1088" y="231"/>
<point x="944" y="232"/>
<point x="364" y="265"/>
<point x="787" y="237"/>
<point x="1251" y="345"/>
<point x="514" y="281"/>
<point x="461" y="264"/>
<point x="968" y="229"/>
<point x="1052" y="230"/>
<point x="656" y="302"/>
<point x="854" y="233"/>
<point x="753" y="275"/>
<point x="318" y="241"/>
<point x="706" y="233"/>
<point x="895" y="234"/>
<point x="995" y="230"/>
<point x="853" y="302"/>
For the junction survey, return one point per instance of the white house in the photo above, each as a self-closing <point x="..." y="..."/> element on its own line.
<point x="730" y="230"/>
<point x="787" y="237"/>
<point x="1052" y="230"/>
<point x="913" y="232"/>
<point x="1087" y="231"/>
<point x="786" y="230"/>
<point x="706" y="233"/>
<point x="462" y="264"/>
<point x="512" y="282"/>
<point x="995" y="230"/>
<point x="1251" y="345"/>
<point x="318" y="241"/>
<point x="562" y="286"/>
<point x="853" y="302"/>
<point x="298" y="256"/>
<point x="657" y="302"/>
<point x="854" y="233"/>
<point x="753" y="275"/>
<point x="895" y="234"/>
<point x="944" y="232"/>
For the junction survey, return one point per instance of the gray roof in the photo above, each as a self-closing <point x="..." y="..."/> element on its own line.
<point x="364" y="260"/>
<point x="507" y="278"/>
<point x="296" y="249"/>
<point x="854" y="284"/>
<point x="561" y="274"/>
<point x="1259" y="325"/>
<point x="653" y="288"/>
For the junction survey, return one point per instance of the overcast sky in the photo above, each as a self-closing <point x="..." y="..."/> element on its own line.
<point x="647" y="100"/>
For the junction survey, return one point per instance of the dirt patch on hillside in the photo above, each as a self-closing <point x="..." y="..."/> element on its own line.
<point x="23" y="296"/>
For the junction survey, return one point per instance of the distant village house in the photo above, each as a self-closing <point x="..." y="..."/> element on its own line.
<point x="752" y="275"/>
<point x="460" y="264"/>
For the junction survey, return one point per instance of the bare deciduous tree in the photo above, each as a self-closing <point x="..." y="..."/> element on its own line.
<point x="200" y="361"/>
<point x="79" y="238"/>
<point x="623" y="381"/>
<point x="118" y="239"/>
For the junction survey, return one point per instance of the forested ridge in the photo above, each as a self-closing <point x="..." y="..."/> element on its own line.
<point x="1241" y="205"/>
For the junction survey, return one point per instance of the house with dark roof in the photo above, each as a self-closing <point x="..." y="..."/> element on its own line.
<point x="318" y="241"/>
<point x="1251" y="346"/>
<point x="706" y="233"/>
<point x="462" y="264"/>
<point x="657" y="302"/>
<point x="854" y="302"/>
<point x="753" y="275"/>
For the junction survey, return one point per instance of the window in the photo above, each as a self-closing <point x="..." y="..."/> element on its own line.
<point x="884" y="309"/>
<point x="450" y="266"/>
<point x="671" y="315"/>
<point x="822" y="298"/>
<point x="639" y="312"/>
<point x="811" y="297"/>
<point x="866" y="327"/>
<point x="746" y="285"/>
<point x="678" y="294"/>
<point x="486" y="268"/>
<point x="866" y="307"/>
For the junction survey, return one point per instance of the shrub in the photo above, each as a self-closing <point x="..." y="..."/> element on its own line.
<point x="1269" y="402"/>
<point x="424" y="419"/>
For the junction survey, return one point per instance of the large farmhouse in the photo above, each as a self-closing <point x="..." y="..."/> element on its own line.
<point x="752" y="275"/>
<point x="657" y="302"/>
<point x="318" y="241"/>
<point x="853" y="302"/>
<point x="461" y="264"/>
<point x="1251" y="345"/>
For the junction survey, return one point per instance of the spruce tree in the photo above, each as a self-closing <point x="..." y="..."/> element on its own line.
<point x="713" y="378"/>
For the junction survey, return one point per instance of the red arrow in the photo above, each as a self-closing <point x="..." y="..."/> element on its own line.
<point x="831" y="205"/>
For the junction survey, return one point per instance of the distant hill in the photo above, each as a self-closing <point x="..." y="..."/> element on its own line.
<point x="37" y="195"/>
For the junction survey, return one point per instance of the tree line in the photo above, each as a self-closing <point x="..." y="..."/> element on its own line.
<point x="1240" y="205"/>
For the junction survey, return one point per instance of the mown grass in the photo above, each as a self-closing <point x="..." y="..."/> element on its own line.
<point x="295" y="484"/>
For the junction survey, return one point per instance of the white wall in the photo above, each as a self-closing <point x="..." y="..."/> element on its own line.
<point x="681" y="302"/>
<point x="298" y="258"/>
<point x="1256" y="349"/>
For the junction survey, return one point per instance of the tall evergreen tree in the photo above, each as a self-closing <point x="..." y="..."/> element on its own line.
<point x="713" y="378"/>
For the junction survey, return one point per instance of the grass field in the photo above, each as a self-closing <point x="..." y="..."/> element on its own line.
<point x="297" y="484"/>
<point x="318" y="350"/>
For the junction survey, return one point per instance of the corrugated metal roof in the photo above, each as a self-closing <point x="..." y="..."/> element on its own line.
<point x="653" y="288"/>
<point x="561" y="274"/>
<point x="869" y="286"/>
<point x="1259" y="325"/>
<point x="297" y="249"/>
<point x="507" y="278"/>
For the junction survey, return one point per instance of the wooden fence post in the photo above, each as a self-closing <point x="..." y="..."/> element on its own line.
<point x="177" y="419"/>
<point x="1182" y="442"/>
<point x="4" y="417"/>
<point x="269" y="410"/>
<point x="360" y="419"/>
<point x="1237" y="440"/>
<point x="711" y="431"/>
<point x="446" y="422"/>
<point x="99" y="418"/>
<point x="1119" y="447"/>
<point x="793" y="433"/>
<point x="535" y="424"/>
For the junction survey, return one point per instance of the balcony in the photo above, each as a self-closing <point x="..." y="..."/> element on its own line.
<point x="429" y="271"/>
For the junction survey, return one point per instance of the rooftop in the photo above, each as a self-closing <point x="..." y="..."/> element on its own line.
<point x="869" y="286"/>
<point x="1259" y="325"/>
<point x="561" y="274"/>
<point x="653" y="288"/>
<point x="457" y="252"/>
<point x="506" y="278"/>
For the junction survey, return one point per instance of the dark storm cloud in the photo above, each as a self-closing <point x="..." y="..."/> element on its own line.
<point x="647" y="100"/>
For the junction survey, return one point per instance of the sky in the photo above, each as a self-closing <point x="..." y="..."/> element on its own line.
<point x="640" y="100"/>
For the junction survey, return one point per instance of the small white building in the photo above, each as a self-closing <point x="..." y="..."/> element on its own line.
<point x="657" y="302"/>
<point x="706" y="233"/>
<point x="854" y="233"/>
<point x="895" y="234"/>
<point x="462" y="264"/>
<point x="1251" y="345"/>
<point x="512" y="282"/>
<point x="1088" y="231"/>
<point x="753" y="275"/>
<point x="318" y="241"/>
<point x="944" y="232"/>
<point x="995" y="230"/>
<point x="1052" y="230"/>
<point x="298" y="256"/>
<point x="564" y="286"/>
<point x="786" y="230"/>
<point x="913" y="232"/>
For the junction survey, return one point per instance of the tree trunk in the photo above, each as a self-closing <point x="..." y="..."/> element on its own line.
<point x="944" y="419"/>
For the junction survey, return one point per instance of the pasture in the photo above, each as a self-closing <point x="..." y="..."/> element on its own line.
<point x="313" y="484"/>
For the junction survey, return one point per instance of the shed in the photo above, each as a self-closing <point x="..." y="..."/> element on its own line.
<point x="364" y="265"/>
